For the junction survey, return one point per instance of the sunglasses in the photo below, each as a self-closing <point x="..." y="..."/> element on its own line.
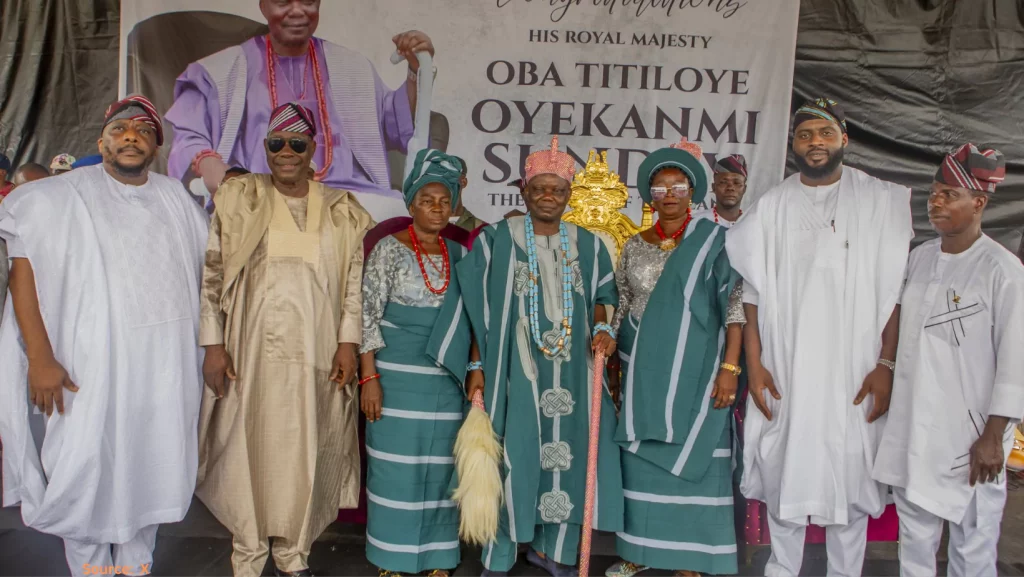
<point x="660" y="192"/>
<point x="276" y="144"/>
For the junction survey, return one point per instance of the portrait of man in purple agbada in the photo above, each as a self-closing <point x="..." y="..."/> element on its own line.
<point x="222" y="104"/>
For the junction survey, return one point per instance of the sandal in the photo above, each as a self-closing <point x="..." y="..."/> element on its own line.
<point x="624" y="569"/>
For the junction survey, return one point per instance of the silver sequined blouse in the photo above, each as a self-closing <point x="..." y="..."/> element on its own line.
<point x="640" y="266"/>
<point x="391" y="274"/>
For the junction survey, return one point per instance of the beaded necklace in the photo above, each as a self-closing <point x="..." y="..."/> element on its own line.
<point x="446" y="271"/>
<point x="714" y="211"/>
<point x="670" y="243"/>
<point x="534" y="301"/>
<point x="321" y="101"/>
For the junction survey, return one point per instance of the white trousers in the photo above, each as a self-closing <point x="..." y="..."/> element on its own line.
<point x="972" y="542"/>
<point x="845" y="545"/>
<point x="132" y="558"/>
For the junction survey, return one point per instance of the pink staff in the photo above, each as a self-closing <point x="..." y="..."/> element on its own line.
<point x="595" y="430"/>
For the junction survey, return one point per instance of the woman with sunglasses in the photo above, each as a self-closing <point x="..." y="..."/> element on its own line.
<point x="679" y="366"/>
<point x="414" y="408"/>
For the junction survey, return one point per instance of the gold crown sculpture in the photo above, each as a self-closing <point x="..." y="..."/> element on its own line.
<point x="597" y="197"/>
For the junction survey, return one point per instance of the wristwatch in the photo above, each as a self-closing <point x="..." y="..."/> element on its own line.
<point x="731" y="368"/>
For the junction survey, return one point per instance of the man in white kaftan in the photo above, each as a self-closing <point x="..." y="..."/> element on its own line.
<point x="106" y="264"/>
<point x="822" y="255"/>
<point x="959" y="385"/>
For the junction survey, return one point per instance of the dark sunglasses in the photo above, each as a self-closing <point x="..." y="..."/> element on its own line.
<point x="276" y="144"/>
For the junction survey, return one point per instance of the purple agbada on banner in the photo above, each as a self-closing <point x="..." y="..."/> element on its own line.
<point x="366" y="117"/>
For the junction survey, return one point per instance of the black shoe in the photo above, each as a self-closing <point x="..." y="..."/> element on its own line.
<point x="300" y="573"/>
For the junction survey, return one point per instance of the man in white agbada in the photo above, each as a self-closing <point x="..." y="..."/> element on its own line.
<point x="959" y="389"/>
<point x="101" y="338"/>
<point x="822" y="256"/>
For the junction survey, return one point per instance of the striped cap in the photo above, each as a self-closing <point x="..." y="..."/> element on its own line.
<point x="139" y="108"/>
<point x="734" y="163"/>
<point x="292" y="117"/>
<point x="973" y="168"/>
<point x="821" y="108"/>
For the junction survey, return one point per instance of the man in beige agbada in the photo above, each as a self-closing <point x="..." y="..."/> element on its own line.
<point x="281" y="302"/>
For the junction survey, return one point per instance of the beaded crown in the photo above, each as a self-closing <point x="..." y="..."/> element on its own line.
<point x="550" y="162"/>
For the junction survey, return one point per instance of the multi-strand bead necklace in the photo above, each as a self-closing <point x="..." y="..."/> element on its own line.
<point x="565" y="330"/>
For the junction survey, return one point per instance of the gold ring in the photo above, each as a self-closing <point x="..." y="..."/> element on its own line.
<point x="732" y="397"/>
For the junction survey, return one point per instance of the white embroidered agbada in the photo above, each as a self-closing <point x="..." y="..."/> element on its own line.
<point x="825" y="289"/>
<point x="117" y="271"/>
<point x="709" y="214"/>
<point x="961" y="359"/>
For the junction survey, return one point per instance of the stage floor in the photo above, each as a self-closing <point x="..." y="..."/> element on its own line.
<point x="200" y="546"/>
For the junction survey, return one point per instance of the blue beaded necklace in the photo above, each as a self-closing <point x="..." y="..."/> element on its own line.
<point x="534" y="304"/>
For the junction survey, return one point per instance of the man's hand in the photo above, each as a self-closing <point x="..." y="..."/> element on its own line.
<point x="371" y="400"/>
<point x="411" y="42"/>
<point x="47" y="381"/>
<point x="724" y="392"/>
<point x="218" y="370"/>
<point x="212" y="170"/>
<point x="604" y="344"/>
<point x="474" y="382"/>
<point x="343" y="370"/>
<point x="759" y="381"/>
<point x="879" y="384"/>
<point x="987" y="457"/>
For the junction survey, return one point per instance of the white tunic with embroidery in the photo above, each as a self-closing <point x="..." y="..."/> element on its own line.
<point x="961" y="359"/>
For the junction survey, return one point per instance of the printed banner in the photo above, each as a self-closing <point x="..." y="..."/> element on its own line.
<point x="622" y="76"/>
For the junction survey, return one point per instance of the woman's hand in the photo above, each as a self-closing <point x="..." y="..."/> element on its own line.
<point x="371" y="400"/>
<point x="724" y="392"/>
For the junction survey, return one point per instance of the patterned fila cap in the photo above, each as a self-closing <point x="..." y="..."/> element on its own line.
<point x="973" y="169"/>
<point x="734" y="163"/>
<point x="139" y="108"/>
<point x="292" y="117"/>
<point x="821" y="108"/>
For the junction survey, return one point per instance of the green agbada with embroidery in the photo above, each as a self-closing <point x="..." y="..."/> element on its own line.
<point x="539" y="405"/>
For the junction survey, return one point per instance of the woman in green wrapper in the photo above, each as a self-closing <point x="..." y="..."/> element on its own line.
<point x="413" y="407"/>
<point x="679" y="324"/>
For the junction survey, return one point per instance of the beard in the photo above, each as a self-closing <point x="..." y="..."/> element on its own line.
<point x="835" y="158"/>
<point x="125" y="170"/>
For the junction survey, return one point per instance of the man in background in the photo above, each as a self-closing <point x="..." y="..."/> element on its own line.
<point x="5" y="186"/>
<point x="91" y="160"/>
<point x="461" y="217"/>
<point x="104" y="283"/>
<point x="26" y="173"/>
<point x="29" y="172"/>
<point x="358" y="116"/>
<point x="61" y="163"/>
<point x="729" y="186"/>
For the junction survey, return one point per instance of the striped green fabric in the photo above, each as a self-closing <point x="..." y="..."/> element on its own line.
<point x="677" y="449"/>
<point x="539" y="406"/>
<point x="413" y="525"/>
